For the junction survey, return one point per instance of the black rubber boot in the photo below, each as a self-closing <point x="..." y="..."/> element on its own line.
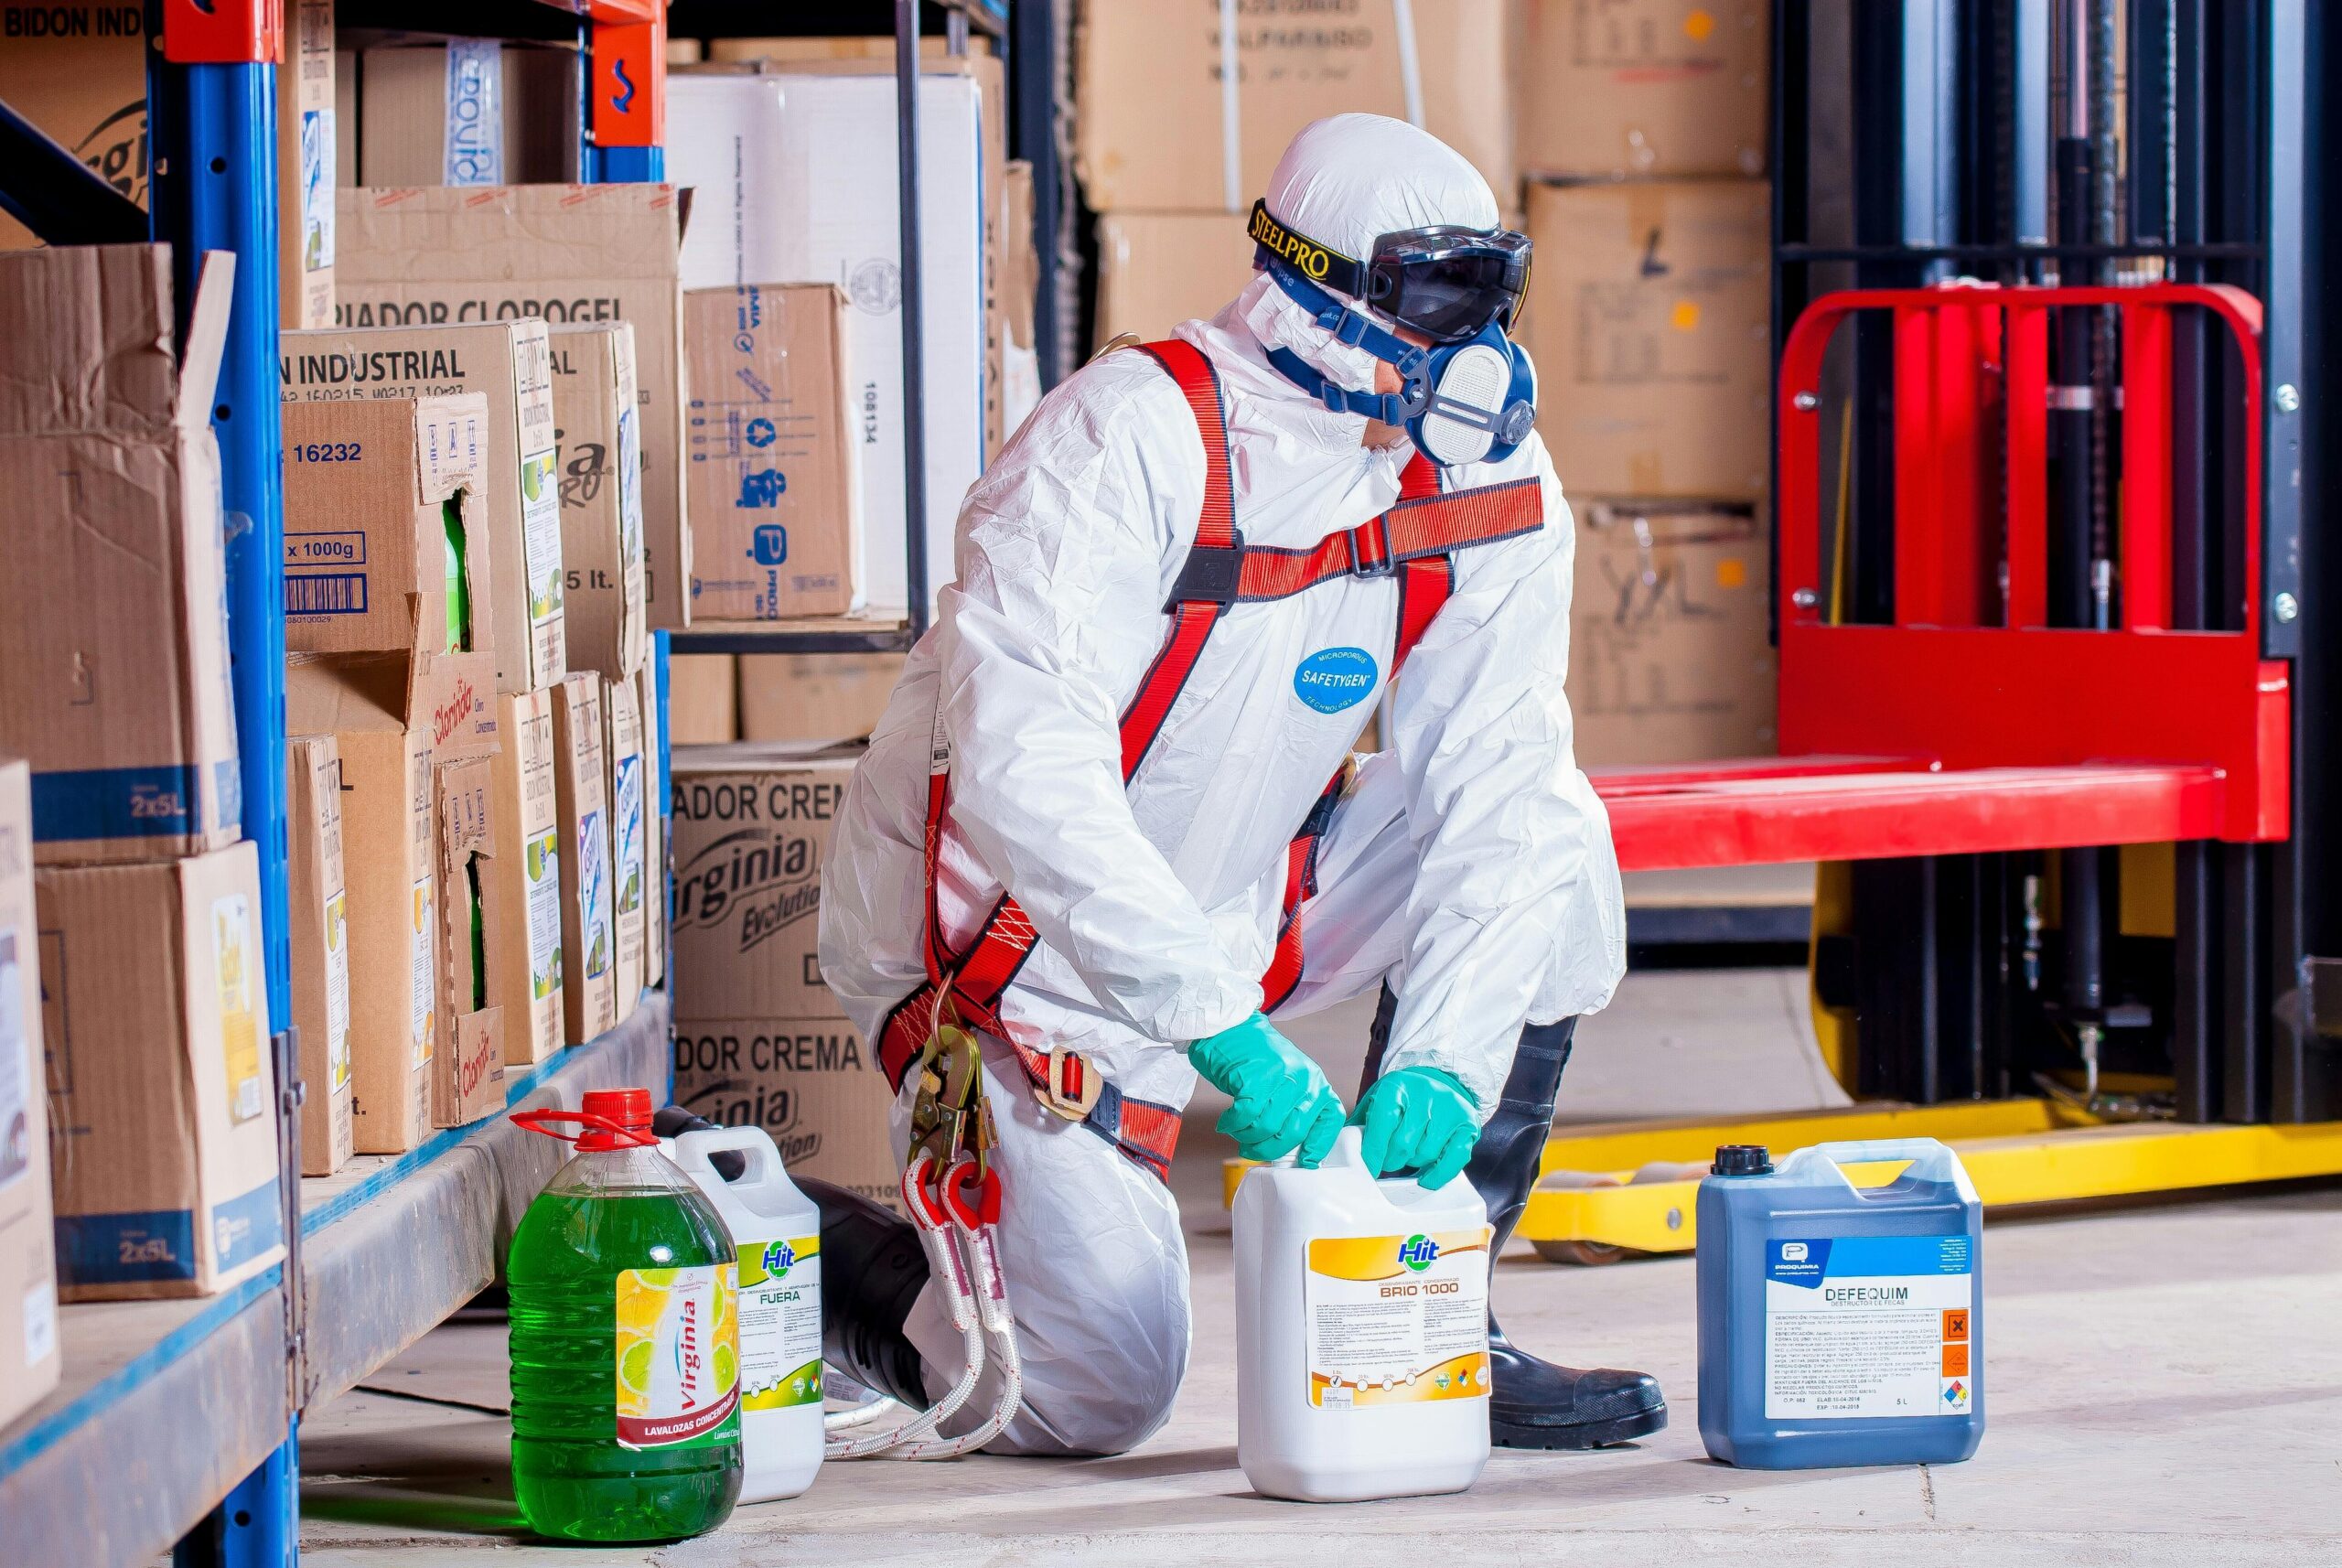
<point x="1535" y="1403"/>
<point x="872" y="1269"/>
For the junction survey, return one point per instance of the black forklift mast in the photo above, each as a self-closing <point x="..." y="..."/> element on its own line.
<point x="2088" y="141"/>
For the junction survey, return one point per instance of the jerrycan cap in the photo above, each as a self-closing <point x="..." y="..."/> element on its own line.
<point x="1743" y="1159"/>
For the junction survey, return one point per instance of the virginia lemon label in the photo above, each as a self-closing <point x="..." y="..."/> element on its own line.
<point x="232" y="957"/>
<point x="780" y="1323"/>
<point x="338" y="990"/>
<point x="423" y="987"/>
<point x="678" y="1356"/>
<point x="1397" y="1319"/>
<point x="541" y="861"/>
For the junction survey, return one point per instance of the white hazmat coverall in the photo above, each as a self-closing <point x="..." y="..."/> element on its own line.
<point x="1469" y="864"/>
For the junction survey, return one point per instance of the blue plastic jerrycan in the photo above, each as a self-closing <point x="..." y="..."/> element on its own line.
<point x="1841" y="1325"/>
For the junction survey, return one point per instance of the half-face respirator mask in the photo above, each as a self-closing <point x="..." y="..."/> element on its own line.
<point x="1471" y="395"/>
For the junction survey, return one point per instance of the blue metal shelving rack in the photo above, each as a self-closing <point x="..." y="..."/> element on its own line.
<point x="167" y="1404"/>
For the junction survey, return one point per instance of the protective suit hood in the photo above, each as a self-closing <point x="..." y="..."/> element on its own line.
<point x="1346" y="180"/>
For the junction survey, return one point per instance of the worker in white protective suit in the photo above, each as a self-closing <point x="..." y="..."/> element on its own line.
<point x="1180" y="591"/>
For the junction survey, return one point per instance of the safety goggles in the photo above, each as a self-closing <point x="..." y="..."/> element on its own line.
<point x="1446" y="283"/>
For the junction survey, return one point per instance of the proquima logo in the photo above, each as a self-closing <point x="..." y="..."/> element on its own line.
<point x="1418" y="1253"/>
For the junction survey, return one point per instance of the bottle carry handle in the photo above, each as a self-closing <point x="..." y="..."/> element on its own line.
<point x="759" y="1161"/>
<point x="1929" y="1160"/>
<point x="589" y="1122"/>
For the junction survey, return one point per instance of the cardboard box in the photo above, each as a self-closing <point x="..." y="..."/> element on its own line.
<point x="773" y="473"/>
<point x="595" y="401"/>
<point x="795" y="179"/>
<point x="524" y="884"/>
<point x="510" y="362"/>
<point x="657" y="824"/>
<point x="1156" y="269"/>
<point x="467" y="1077"/>
<point x="629" y="843"/>
<point x="320" y="938"/>
<point x="815" y="698"/>
<point x="470" y="112"/>
<point x="589" y="977"/>
<point x="372" y="487"/>
<point x="1147" y="78"/>
<point x="393" y="718"/>
<point x="1670" y="659"/>
<point x="114" y="649"/>
<point x="155" y="1013"/>
<point x="30" y="1362"/>
<point x="703" y="699"/>
<point x="1648" y="313"/>
<point x="76" y="69"/>
<point x="752" y="828"/>
<point x="569" y="253"/>
<point x="1643" y="88"/>
<point x="307" y="132"/>
<point x="813" y="1083"/>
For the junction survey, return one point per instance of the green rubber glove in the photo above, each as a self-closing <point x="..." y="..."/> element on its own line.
<point x="1283" y="1100"/>
<point x="1418" y="1119"/>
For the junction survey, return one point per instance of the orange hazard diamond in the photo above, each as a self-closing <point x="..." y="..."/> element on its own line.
<point x="1955" y="1325"/>
<point x="1955" y="1361"/>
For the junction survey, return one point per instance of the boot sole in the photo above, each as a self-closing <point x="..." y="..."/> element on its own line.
<point x="1586" y="1435"/>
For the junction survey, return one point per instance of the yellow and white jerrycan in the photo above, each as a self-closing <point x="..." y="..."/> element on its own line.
<point x="777" y="1230"/>
<point x="1361" y="1332"/>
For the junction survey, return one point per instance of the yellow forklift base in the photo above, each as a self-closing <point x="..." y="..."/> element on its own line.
<point x="1622" y="1188"/>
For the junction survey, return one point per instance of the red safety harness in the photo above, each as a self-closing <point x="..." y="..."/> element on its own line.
<point x="1414" y="540"/>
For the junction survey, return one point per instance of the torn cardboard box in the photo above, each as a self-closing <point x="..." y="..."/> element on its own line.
<point x="597" y="408"/>
<point x="1648" y="317"/>
<point x="568" y="253"/>
<point x="589" y="994"/>
<point x="525" y="901"/>
<point x="467" y="1077"/>
<point x="155" y="1013"/>
<point x="30" y="1360"/>
<point x="773" y="472"/>
<point x="393" y="718"/>
<point x="113" y="649"/>
<point x="385" y="549"/>
<point x="752" y="826"/>
<point x="510" y="364"/>
<point x="319" y="912"/>
<point x="629" y="867"/>
<point x="812" y="1084"/>
<point x="1670" y="657"/>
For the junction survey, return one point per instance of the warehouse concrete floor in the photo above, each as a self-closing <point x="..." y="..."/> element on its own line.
<point x="2166" y="1385"/>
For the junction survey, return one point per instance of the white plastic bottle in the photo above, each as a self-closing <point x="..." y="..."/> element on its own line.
<point x="777" y="1230"/>
<point x="1361" y="1332"/>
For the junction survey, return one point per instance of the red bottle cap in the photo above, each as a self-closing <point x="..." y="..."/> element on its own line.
<point x="626" y="1110"/>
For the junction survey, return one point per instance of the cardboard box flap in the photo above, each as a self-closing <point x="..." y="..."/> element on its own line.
<point x="511" y="232"/>
<point x="453" y="693"/>
<point x="86" y="339"/>
<point x="207" y="340"/>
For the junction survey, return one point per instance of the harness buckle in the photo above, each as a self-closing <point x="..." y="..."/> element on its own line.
<point x="1212" y="574"/>
<point x="1072" y="1086"/>
<point x="1370" y="544"/>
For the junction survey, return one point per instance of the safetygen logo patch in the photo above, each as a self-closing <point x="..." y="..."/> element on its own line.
<point x="1335" y="678"/>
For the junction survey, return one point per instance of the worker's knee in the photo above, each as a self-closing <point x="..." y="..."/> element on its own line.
<point x="1104" y="1362"/>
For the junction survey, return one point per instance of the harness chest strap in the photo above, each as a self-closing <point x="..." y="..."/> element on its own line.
<point x="1414" y="542"/>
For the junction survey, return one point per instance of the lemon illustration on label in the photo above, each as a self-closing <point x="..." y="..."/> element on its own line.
<point x="634" y="1366"/>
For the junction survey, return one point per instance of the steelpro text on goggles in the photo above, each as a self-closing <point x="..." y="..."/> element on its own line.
<point x="1471" y="396"/>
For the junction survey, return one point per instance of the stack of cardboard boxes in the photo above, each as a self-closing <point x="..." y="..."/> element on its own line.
<point x="138" y="1007"/>
<point x="468" y="625"/>
<point x="1171" y="202"/>
<point x="759" y="1040"/>
<point x="1643" y="129"/>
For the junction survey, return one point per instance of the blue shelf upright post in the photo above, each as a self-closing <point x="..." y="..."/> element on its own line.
<point x="211" y="114"/>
